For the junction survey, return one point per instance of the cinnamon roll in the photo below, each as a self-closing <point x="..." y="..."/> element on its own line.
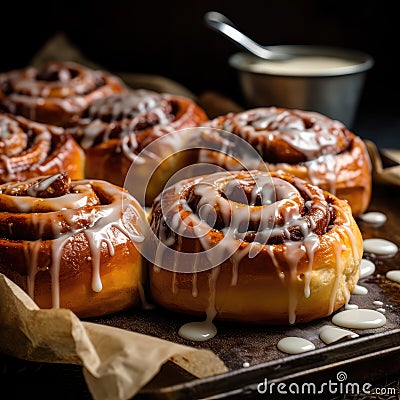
<point x="72" y="244"/>
<point x="29" y="149"/>
<point x="259" y="247"/>
<point x="305" y="144"/>
<point x="56" y="93"/>
<point x="115" y="129"/>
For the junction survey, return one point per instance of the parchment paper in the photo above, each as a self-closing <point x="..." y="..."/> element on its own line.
<point x="389" y="175"/>
<point x="116" y="363"/>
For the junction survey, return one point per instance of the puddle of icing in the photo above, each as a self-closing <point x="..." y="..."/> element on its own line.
<point x="394" y="275"/>
<point x="295" y="345"/>
<point x="198" y="331"/>
<point x="359" y="319"/>
<point x="360" y="290"/>
<point x="380" y="247"/>
<point x="332" y="334"/>
<point x="373" y="218"/>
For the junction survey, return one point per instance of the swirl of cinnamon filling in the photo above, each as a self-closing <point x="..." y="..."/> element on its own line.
<point x="136" y="117"/>
<point x="253" y="207"/>
<point x="56" y="93"/>
<point x="29" y="149"/>
<point x="281" y="237"/>
<point x="114" y="130"/>
<point x="308" y="145"/>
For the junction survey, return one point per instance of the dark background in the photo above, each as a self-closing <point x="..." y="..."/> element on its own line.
<point x="169" y="38"/>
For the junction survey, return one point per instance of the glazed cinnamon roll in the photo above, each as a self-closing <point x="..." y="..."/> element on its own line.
<point x="115" y="129"/>
<point x="259" y="247"/>
<point x="55" y="94"/>
<point x="308" y="145"/>
<point x="29" y="149"/>
<point x="72" y="244"/>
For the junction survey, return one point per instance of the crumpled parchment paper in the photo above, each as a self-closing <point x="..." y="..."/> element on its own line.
<point x="382" y="174"/>
<point x="116" y="363"/>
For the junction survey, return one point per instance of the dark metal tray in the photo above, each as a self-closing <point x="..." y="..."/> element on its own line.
<point x="371" y="358"/>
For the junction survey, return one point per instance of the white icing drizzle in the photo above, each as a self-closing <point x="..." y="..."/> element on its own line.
<point x="378" y="303"/>
<point x="295" y="345"/>
<point x="127" y="109"/>
<point x="380" y="247"/>
<point x="311" y="243"/>
<point x="359" y="319"/>
<point x="112" y="216"/>
<point x="293" y="252"/>
<point x="381" y="310"/>
<point x="338" y="249"/>
<point x="313" y="142"/>
<point x="31" y="253"/>
<point x="16" y="152"/>
<point x="347" y="227"/>
<point x="29" y="92"/>
<point x="322" y="172"/>
<point x="57" y="248"/>
<point x="143" y="300"/>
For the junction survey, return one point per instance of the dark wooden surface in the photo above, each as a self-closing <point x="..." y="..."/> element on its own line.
<point x="235" y="343"/>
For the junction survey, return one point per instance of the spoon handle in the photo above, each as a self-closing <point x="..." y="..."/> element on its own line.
<point x="221" y="24"/>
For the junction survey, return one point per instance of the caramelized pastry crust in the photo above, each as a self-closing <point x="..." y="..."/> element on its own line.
<point x="72" y="244"/>
<point x="267" y="248"/>
<point x="305" y="144"/>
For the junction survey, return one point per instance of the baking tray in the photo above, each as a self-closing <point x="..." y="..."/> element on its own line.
<point x="372" y="358"/>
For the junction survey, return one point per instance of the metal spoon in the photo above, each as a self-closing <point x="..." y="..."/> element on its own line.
<point x="220" y="23"/>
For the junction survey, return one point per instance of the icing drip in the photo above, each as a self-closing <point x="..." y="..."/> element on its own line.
<point x="295" y="345"/>
<point x="204" y="330"/>
<point x="322" y="172"/>
<point x="31" y="253"/>
<point x="347" y="227"/>
<point x="338" y="249"/>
